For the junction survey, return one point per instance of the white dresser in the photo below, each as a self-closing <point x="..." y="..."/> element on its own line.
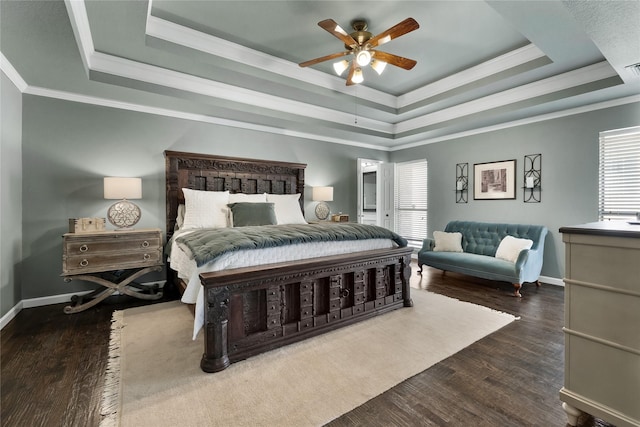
<point x="602" y="322"/>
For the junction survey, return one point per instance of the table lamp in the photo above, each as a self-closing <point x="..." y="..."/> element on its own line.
<point x="322" y="195"/>
<point x="123" y="214"/>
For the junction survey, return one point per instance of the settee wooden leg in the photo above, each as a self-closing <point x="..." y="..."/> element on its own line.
<point x="420" y="271"/>
<point x="516" y="292"/>
<point x="538" y="284"/>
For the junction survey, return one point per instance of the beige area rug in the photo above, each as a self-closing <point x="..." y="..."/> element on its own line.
<point x="157" y="381"/>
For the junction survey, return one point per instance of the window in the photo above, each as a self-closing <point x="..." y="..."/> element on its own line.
<point x="619" y="180"/>
<point x="411" y="201"/>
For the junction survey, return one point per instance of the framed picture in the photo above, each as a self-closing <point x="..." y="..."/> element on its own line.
<point x="495" y="180"/>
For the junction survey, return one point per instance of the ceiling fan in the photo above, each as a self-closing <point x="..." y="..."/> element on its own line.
<point x="361" y="44"/>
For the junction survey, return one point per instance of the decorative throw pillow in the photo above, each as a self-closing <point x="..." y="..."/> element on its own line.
<point x="205" y="209"/>
<point x="510" y="248"/>
<point x="447" y="242"/>
<point x="245" y="214"/>
<point x="287" y="207"/>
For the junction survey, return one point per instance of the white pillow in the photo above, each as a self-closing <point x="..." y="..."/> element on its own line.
<point x="247" y="198"/>
<point x="287" y="207"/>
<point x="180" y="217"/>
<point x="447" y="242"/>
<point x="205" y="209"/>
<point x="510" y="248"/>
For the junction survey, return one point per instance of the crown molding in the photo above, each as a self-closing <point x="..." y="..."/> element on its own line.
<point x="126" y="68"/>
<point x="175" y="33"/>
<point x="95" y="61"/>
<point x="486" y="69"/>
<point x="521" y="122"/>
<point x="12" y="74"/>
<point x="206" y="43"/>
<point x="8" y="69"/>
<point x="549" y="85"/>
<point x="81" y="30"/>
<point x="129" y="106"/>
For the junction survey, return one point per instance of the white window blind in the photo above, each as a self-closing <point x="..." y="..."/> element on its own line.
<point x="619" y="180"/>
<point x="411" y="201"/>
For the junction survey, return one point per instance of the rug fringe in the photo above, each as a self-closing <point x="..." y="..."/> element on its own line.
<point x="110" y="403"/>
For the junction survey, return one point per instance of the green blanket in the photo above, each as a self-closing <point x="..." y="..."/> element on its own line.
<point x="208" y="244"/>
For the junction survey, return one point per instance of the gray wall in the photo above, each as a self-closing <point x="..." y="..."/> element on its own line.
<point x="10" y="195"/>
<point x="569" y="148"/>
<point x="68" y="147"/>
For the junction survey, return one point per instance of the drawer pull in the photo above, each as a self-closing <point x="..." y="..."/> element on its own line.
<point x="84" y="263"/>
<point x="84" y="248"/>
<point x="145" y="244"/>
<point x="146" y="257"/>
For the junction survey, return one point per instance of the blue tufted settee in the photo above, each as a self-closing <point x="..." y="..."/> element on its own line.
<point x="480" y="241"/>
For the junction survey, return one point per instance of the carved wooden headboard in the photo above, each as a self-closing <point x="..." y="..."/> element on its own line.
<point x="214" y="173"/>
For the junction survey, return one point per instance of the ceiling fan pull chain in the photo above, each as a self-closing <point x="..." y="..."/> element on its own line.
<point x="356" y="97"/>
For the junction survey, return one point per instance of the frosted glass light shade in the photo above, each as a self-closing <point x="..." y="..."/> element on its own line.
<point x="322" y="194"/>
<point x="340" y="66"/>
<point x="378" y="65"/>
<point x="122" y="188"/>
<point x="357" y="76"/>
<point x="363" y="58"/>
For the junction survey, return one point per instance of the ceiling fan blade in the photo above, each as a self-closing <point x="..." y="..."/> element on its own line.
<point x="323" y="58"/>
<point x="352" y="71"/>
<point x="392" y="59"/>
<point x="331" y="26"/>
<point x="394" y="32"/>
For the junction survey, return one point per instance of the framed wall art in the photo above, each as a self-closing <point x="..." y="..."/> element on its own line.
<point x="494" y="180"/>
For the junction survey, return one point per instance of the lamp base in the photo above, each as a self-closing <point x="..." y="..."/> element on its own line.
<point x="322" y="211"/>
<point x="124" y="214"/>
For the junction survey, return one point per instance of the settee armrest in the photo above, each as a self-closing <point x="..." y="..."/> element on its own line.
<point x="427" y="245"/>
<point x="529" y="264"/>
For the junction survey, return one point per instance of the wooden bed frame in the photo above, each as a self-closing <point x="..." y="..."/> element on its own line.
<point x="255" y="309"/>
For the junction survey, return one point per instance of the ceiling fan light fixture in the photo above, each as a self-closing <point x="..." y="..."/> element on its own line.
<point x="363" y="58"/>
<point x="340" y="66"/>
<point x="378" y="65"/>
<point x="357" y="76"/>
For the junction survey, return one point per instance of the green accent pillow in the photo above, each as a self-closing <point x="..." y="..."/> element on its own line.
<point x="245" y="214"/>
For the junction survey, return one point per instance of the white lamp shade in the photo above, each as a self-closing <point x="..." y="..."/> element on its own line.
<point x="322" y="194"/>
<point x="122" y="188"/>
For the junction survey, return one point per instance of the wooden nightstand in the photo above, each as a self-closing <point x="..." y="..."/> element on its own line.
<point x="112" y="259"/>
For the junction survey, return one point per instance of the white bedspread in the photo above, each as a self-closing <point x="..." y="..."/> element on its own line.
<point x="186" y="267"/>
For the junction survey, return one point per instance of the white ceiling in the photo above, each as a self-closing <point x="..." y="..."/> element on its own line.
<point x="480" y="64"/>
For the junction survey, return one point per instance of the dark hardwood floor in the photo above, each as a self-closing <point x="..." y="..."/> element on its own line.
<point x="53" y="366"/>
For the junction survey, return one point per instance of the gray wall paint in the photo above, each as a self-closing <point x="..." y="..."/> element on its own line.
<point x="68" y="147"/>
<point x="569" y="148"/>
<point x="10" y="195"/>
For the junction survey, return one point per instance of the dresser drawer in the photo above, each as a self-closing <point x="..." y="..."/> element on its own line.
<point x="109" y="251"/>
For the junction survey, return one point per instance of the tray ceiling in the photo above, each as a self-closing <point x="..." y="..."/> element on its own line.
<point x="480" y="64"/>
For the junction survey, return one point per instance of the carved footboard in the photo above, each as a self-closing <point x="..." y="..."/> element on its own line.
<point x="253" y="310"/>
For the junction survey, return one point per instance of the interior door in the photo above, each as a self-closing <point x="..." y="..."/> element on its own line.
<point x="386" y="184"/>
<point x="368" y="191"/>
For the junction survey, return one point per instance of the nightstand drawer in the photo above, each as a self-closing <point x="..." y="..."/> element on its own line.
<point x="110" y="261"/>
<point x="111" y="243"/>
<point x="110" y="251"/>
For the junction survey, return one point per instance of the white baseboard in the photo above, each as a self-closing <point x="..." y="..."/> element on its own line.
<point x="10" y="314"/>
<point x="552" y="280"/>
<point x="49" y="300"/>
